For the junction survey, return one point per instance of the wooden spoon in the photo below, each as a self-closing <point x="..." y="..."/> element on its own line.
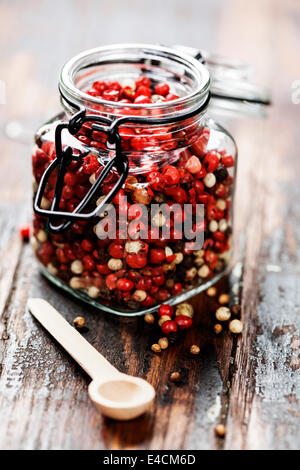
<point x="116" y="395"/>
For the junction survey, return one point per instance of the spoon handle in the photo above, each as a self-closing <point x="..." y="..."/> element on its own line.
<point x="86" y="355"/>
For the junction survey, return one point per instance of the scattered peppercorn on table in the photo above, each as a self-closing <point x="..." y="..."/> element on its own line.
<point x="228" y="380"/>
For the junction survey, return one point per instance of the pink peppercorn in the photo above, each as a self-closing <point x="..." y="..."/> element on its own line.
<point x="168" y="327"/>
<point x="183" y="322"/>
<point x="124" y="284"/>
<point x="25" y="231"/>
<point x="193" y="165"/>
<point x="162" y="89"/>
<point x="157" y="256"/>
<point x="170" y="175"/>
<point x="165" y="309"/>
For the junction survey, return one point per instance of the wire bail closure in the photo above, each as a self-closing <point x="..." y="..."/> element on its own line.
<point x="63" y="158"/>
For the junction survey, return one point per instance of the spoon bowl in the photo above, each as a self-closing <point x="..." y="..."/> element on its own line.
<point x="117" y="395"/>
<point x="122" y="397"/>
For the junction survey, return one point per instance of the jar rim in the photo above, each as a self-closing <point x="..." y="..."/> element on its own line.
<point x="86" y="58"/>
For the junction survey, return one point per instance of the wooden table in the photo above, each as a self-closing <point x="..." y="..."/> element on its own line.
<point x="253" y="383"/>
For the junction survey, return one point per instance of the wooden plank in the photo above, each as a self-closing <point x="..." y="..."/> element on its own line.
<point x="264" y="395"/>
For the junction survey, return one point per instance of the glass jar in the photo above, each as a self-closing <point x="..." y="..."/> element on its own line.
<point x="133" y="201"/>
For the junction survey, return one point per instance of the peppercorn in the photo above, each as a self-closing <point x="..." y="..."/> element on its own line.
<point x="183" y="322"/>
<point x="218" y="328"/>
<point x="149" y="318"/>
<point x="203" y="271"/>
<point x="223" y="299"/>
<point x="236" y="309"/>
<point x="163" y="319"/>
<point x="223" y="314"/>
<point x="168" y="327"/>
<point x="165" y="310"/>
<point x="193" y="165"/>
<point x="77" y="267"/>
<point x="93" y="292"/>
<point x="220" y="430"/>
<point x="185" y="309"/>
<point x="156" y="348"/>
<point x="25" y="231"/>
<point x="76" y="283"/>
<point x="236" y="327"/>
<point x="79" y="322"/>
<point x="115" y="264"/>
<point x="194" y="349"/>
<point x="221" y="173"/>
<point x="175" y="377"/>
<point x="41" y="236"/>
<point x="209" y="180"/>
<point x="139" y="295"/>
<point x="211" y="291"/>
<point x="163" y="343"/>
<point x="125" y="285"/>
<point x="162" y="89"/>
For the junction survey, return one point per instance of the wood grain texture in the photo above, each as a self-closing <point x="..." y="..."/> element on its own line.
<point x="251" y="384"/>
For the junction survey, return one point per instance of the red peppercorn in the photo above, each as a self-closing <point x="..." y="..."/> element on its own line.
<point x="114" y="85"/>
<point x="199" y="147"/>
<point x="111" y="281"/>
<point x="155" y="180"/>
<point x="168" y="327"/>
<point x="148" y="302"/>
<point x="228" y="161"/>
<point x="100" y="86"/>
<point x="88" y="262"/>
<point x="90" y="164"/>
<point x="219" y="236"/>
<point x="211" y="258"/>
<point x="129" y="95"/>
<point x="103" y="269"/>
<point x="178" y="194"/>
<point x="183" y="322"/>
<point x="166" y="310"/>
<point x="157" y="255"/>
<point x="162" y="89"/>
<point x="116" y="249"/>
<point x="70" y="179"/>
<point x="67" y="192"/>
<point x="171" y="97"/>
<point x="142" y="99"/>
<point x="177" y="288"/>
<point x="136" y="261"/>
<point x="111" y="95"/>
<point x="221" y="190"/>
<point x="142" y="81"/>
<point x="119" y="197"/>
<point x="162" y="295"/>
<point x="170" y="175"/>
<point x="159" y="280"/>
<point x="124" y="284"/>
<point x="87" y="245"/>
<point x="144" y="284"/>
<point x="61" y="256"/>
<point x="211" y="161"/>
<point x="25" y="231"/>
